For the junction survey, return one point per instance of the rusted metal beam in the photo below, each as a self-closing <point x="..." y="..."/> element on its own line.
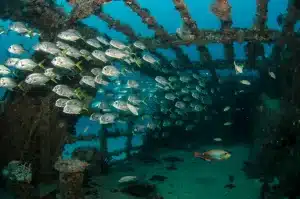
<point x="205" y="56"/>
<point x="261" y="15"/>
<point x="161" y="35"/>
<point x="260" y="26"/>
<point x="222" y="64"/>
<point x="160" y="32"/>
<point x="287" y="33"/>
<point x="217" y="36"/>
<point x="181" y="56"/>
<point x="186" y="17"/>
<point x="228" y="47"/>
<point x="116" y="24"/>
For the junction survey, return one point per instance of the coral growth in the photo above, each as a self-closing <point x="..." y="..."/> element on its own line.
<point x="71" y="173"/>
<point x="70" y="166"/>
<point x="17" y="171"/>
<point x="34" y="133"/>
<point x="222" y="9"/>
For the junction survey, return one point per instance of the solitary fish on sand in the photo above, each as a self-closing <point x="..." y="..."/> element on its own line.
<point x="215" y="154"/>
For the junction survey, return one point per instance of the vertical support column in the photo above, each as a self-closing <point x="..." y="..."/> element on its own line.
<point x="287" y="31"/>
<point x="228" y="47"/>
<point x="261" y="15"/>
<point x="192" y="25"/>
<point x="102" y="133"/>
<point x="160" y="32"/>
<point x="129" y="141"/>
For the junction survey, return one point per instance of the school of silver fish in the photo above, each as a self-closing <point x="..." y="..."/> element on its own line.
<point x="171" y="98"/>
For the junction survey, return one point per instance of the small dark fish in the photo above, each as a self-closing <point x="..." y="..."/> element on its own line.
<point x="158" y="178"/>
<point x="172" y="167"/>
<point x="280" y="19"/>
<point x="230" y="186"/>
<point x="172" y="159"/>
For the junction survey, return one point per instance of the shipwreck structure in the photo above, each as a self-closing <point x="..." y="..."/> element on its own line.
<point x="41" y="128"/>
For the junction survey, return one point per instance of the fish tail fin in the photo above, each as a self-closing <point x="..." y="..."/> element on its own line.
<point x="123" y="71"/>
<point x="78" y="65"/>
<point x="171" y="86"/>
<point x="15" y="73"/>
<point x="30" y="33"/>
<point x="85" y="109"/>
<point x="200" y="155"/>
<point x="138" y="63"/>
<point x="143" y="101"/>
<point x="5" y="32"/>
<point x="64" y="52"/>
<point x="41" y="64"/>
<point x="52" y="79"/>
<point x="20" y="87"/>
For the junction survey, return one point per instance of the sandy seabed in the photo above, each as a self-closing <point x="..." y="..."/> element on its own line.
<point x="193" y="179"/>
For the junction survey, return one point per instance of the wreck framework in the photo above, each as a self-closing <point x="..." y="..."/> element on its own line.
<point x="226" y="36"/>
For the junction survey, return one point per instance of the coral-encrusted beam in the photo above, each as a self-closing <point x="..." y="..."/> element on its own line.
<point x="160" y="33"/>
<point x="228" y="47"/>
<point x="186" y="17"/>
<point x="287" y="31"/>
<point x="116" y="24"/>
<point x="205" y="56"/>
<point x="261" y="14"/>
<point x="217" y="36"/>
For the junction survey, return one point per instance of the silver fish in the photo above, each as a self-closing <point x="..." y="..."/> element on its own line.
<point x="180" y="105"/>
<point x="99" y="80"/>
<point x="61" y="102"/>
<point x="49" y="72"/>
<point x="133" y="109"/>
<point x="135" y="100"/>
<point x="88" y="80"/>
<point x="37" y="79"/>
<point x="72" y="109"/>
<point x="72" y="52"/>
<point x="48" y="47"/>
<point x="8" y="83"/>
<point x="94" y="43"/>
<point x="28" y="64"/>
<point x="115" y="53"/>
<point x="62" y="45"/>
<point x="120" y="105"/>
<point x="170" y="96"/>
<point x="150" y="59"/>
<point x="100" y="55"/>
<point x="95" y="117"/>
<point x="102" y="40"/>
<point x="132" y="84"/>
<point x="108" y="118"/>
<point x="19" y="27"/>
<point x="12" y="61"/>
<point x="16" y="49"/>
<point x="70" y="35"/>
<point x="4" y="70"/>
<point x="96" y="71"/>
<point x="65" y="62"/>
<point x="86" y="54"/>
<point x="110" y="71"/>
<point x="139" y="45"/>
<point x="64" y="91"/>
<point x="117" y="44"/>
<point x="74" y="102"/>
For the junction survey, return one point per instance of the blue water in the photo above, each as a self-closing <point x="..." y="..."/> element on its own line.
<point x="243" y="13"/>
